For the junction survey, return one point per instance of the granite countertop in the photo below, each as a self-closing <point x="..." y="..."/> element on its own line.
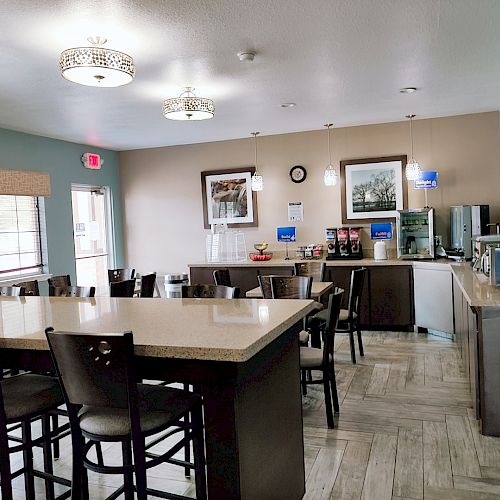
<point x="200" y="329"/>
<point x="278" y="262"/>
<point x="475" y="286"/>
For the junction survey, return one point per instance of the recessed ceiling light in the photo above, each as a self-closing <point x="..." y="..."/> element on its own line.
<point x="289" y="105"/>
<point x="408" y="90"/>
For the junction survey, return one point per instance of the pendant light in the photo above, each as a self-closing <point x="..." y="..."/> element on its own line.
<point x="412" y="167"/>
<point x="96" y="66"/>
<point x="330" y="177"/>
<point x="188" y="107"/>
<point x="257" y="181"/>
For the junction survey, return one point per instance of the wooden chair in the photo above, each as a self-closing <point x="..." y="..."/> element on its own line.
<point x="312" y="359"/>
<point x="106" y="404"/>
<point x="11" y="291"/>
<point x="62" y="280"/>
<point x="265" y="284"/>
<point x="24" y="399"/>
<point x="315" y="269"/>
<point x="221" y="277"/>
<point x="291" y="287"/>
<point x="71" y="291"/>
<point x="209" y="292"/>
<point x="148" y="282"/>
<point x="115" y="275"/>
<point x="349" y="318"/>
<point x="122" y="288"/>
<point x="30" y="287"/>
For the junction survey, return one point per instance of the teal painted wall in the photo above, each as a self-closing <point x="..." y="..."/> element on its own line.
<point x="62" y="161"/>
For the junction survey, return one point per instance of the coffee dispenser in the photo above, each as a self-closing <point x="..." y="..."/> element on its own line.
<point x="331" y="242"/>
<point x="344" y="243"/>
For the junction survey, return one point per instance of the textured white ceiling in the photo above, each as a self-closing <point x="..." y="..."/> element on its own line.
<point x="340" y="60"/>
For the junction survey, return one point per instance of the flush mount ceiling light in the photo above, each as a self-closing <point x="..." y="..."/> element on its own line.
<point x="257" y="180"/>
<point x="96" y="66"/>
<point x="408" y="90"/>
<point x="412" y="167"/>
<point x="246" y="56"/>
<point x="288" y="105"/>
<point x="330" y="177"/>
<point x="188" y="107"/>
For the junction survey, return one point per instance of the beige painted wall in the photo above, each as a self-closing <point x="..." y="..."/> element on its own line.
<point x="161" y="187"/>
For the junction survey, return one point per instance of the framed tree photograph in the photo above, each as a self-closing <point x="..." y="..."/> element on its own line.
<point x="373" y="189"/>
<point x="228" y="197"/>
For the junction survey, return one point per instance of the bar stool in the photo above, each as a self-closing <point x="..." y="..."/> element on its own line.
<point x="106" y="404"/>
<point x="24" y="398"/>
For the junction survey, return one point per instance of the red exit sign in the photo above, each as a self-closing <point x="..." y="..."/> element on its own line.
<point x="92" y="161"/>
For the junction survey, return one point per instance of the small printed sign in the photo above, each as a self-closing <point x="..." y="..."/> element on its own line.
<point x="295" y="211"/>
<point x="428" y="180"/>
<point x="286" y="234"/>
<point x="381" y="231"/>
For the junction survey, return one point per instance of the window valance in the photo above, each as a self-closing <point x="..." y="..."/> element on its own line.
<point x="24" y="183"/>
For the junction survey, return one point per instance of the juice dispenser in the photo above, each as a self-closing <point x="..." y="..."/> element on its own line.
<point x="343" y="238"/>
<point x="355" y="240"/>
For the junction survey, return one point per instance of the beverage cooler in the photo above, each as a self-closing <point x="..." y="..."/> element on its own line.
<point x="415" y="233"/>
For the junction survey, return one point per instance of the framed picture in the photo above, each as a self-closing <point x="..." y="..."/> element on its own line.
<point x="228" y="197"/>
<point x="372" y="189"/>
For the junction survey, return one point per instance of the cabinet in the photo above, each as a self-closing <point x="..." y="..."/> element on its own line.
<point x="386" y="302"/>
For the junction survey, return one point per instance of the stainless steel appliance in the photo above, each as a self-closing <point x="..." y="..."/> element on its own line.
<point x="467" y="222"/>
<point x="480" y="247"/>
<point x="415" y="233"/>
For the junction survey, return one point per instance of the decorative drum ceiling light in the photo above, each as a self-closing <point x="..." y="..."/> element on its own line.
<point x="330" y="177"/>
<point x="96" y="66"/>
<point x="257" y="180"/>
<point x="188" y="107"/>
<point x="412" y="167"/>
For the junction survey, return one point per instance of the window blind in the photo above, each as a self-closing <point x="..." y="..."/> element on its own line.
<point x="20" y="242"/>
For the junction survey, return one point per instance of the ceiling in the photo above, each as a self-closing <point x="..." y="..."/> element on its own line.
<point x="342" y="61"/>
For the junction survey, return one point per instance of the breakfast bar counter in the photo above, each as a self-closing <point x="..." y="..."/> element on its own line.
<point x="241" y="355"/>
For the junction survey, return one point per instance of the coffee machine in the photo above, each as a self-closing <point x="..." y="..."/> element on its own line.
<point x="467" y="222"/>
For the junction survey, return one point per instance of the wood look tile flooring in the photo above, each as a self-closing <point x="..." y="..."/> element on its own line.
<point x="405" y="431"/>
<point x="405" y="428"/>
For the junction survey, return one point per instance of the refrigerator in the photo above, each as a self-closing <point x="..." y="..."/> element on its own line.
<point x="415" y="233"/>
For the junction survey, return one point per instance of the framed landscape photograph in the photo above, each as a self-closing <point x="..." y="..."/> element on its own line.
<point x="228" y="197"/>
<point x="372" y="189"/>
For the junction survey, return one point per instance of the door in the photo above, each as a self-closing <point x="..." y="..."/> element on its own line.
<point x="92" y="231"/>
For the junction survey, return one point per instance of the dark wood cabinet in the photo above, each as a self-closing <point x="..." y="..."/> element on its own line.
<point x="391" y="296"/>
<point x="386" y="302"/>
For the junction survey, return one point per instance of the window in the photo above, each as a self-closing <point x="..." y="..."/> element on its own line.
<point x="20" y="238"/>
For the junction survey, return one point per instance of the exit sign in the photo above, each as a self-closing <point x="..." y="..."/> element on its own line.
<point x="92" y="161"/>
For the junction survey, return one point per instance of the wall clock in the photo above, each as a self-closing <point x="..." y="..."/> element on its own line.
<point x="298" y="174"/>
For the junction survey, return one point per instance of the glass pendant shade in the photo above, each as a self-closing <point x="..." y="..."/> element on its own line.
<point x="412" y="170"/>
<point x="97" y="66"/>
<point x="188" y="107"/>
<point x="330" y="176"/>
<point x="257" y="180"/>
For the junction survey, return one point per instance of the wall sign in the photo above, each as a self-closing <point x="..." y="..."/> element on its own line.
<point x="428" y="180"/>
<point x="295" y="211"/>
<point x="92" y="161"/>
<point x="381" y="231"/>
<point x="286" y="234"/>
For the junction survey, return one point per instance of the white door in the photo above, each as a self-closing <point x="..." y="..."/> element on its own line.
<point x="92" y="231"/>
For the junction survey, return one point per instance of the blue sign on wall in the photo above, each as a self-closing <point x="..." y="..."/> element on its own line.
<point x="381" y="231"/>
<point x="428" y="179"/>
<point x="286" y="234"/>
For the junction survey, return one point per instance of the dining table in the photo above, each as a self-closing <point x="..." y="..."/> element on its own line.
<point x="318" y="288"/>
<point x="241" y="355"/>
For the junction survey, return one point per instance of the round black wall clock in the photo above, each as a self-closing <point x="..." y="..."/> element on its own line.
<point x="298" y="174"/>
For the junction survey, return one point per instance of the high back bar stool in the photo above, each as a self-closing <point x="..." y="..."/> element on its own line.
<point x="120" y="275"/>
<point x="209" y="292"/>
<point x="106" y="404"/>
<point x="61" y="280"/>
<point x="30" y="287"/>
<point x="311" y="268"/>
<point x="222" y="277"/>
<point x="148" y="282"/>
<point x="24" y="399"/>
<point x="312" y="358"/>
<point x="122" y="288"/>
